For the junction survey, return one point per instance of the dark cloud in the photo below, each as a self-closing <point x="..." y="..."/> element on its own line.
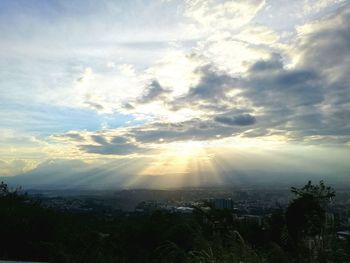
<point x="306" y="101"/>
<point x="110" y="148"/>
<point x="275" y="63"/>
<point x="194" y="129"/>
<point x="117" y="145"/>
<point x="210" y="93"/>
<point x="128" y="106"/>
<point x="213" y="84"/>
<point x="94" y="105"/>
<point x="240" y="120"/>
<point x="153" y="92"/>
<point x="99" y="139"/>
<point x="281" y="88"/>
<point x="119" y="139"/>
<point x="74" y="136"/>
<point x="327" y="46"/>
<point x="326" y="50"/>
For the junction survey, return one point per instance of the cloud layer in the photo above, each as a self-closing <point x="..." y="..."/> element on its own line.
<point x="131" y="80"/>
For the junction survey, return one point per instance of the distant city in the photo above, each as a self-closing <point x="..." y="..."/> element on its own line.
<point x="245" y="204"/>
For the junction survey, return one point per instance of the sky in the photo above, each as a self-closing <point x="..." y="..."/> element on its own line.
<point x="174" y="93"/>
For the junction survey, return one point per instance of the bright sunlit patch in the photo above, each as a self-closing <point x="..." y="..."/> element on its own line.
<point x="186" y="149"/>
<point x="183" y="164"/>
<point x="181" y="115"/>
<point x="176" y="158"/>
<point x="193" y="162"/>
<point x="181" y="153"/>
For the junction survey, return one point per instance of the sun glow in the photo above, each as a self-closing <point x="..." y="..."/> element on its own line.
<point x="187" y="149"/>
<point x="189" y="157"/>
<point x="182" y="163"/>
<point x="175" y="158"/>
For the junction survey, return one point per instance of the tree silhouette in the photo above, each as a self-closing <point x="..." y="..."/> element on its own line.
<point x="320" y="192"/>
<point x="306" y="218"/>
<point x="4" y="190"/>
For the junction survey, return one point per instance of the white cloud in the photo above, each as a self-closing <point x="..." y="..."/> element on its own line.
<point x="16" y="166"/>
<point x="212" y="15"/>
<point x="220" y="71"/>
<point x="315" y="6"/>
<point x="258" y="34"/>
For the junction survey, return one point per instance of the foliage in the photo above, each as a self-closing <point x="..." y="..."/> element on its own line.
<point x="31" y="232"/>
<point x="306" y="221"/>
<point x="320" y="192"/>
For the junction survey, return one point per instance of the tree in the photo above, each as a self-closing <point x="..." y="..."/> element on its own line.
<point x="321" y="192"/>
<point x="4" y="190"/>
<point x="306" y="217"/>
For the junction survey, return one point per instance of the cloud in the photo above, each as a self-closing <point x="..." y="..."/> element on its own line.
<point x="94" y="105"/>
<point x="241" y="120"/>
<point x="270" y="86"/>
<point x="15" y="166"/>
<point x="274" y="63"/>
<point x="315" y="6"/>
<point x="106" y="142"/>
<point x="258" y="34"/>
<point x="223" y="73"/>
<point x="210" y="93"/>
<point x="213" y="15"/>
<point x="9" y="137"/>
<point x="232" y="77"/>
<point x="212" y="85"/>
<point x="305" y="101"/>
<point x="301" y="101"/>
<point x="117" y="145"/>
<point x="144" y="139"/>
<point x="191" y="130"/>
<point x="324" y="47"/>
<point x="99" y="139"/>
<point x="74" y="135"/>
<point x="153" y="92"/>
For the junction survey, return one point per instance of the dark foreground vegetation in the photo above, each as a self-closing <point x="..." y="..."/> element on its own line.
<point x="300" y="233"/>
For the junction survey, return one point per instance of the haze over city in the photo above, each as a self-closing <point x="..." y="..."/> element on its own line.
<point x="170" y="93"/>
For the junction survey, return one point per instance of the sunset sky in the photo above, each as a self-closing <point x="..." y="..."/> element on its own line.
<point x="171" y="93"/>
